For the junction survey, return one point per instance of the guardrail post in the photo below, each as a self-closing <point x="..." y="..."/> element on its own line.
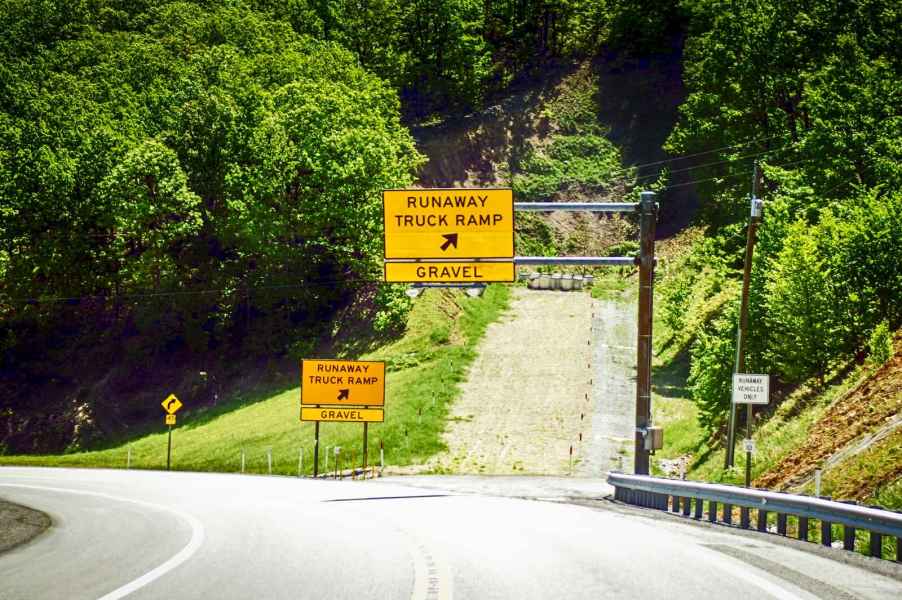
<point x="875" y="546"/>
<point x="899" y="549"/>
<point x="647" y="218"/>
<point x="781" y="523"/>
<point x="712" y="511"/>
<point x="728" y="514"/>
<point x="803" y="529"/>
<point x="826" y="533"/>
<point x="848" y="537"/>
<point x="687" y="506"/>
<point x="699" y="508"/>
<point x="744" y="517"/>
<point x="762" y="520"/>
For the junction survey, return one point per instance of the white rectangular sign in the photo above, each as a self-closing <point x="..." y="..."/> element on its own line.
<point x="751" y="389"/>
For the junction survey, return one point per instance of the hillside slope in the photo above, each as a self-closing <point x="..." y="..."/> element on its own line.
<point x="427" y="362"/>
<point x="857" y="442"/>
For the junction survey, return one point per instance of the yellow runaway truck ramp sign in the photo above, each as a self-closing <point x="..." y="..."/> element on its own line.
<point x="441" y="224"/>
<point x="342" y="382"/>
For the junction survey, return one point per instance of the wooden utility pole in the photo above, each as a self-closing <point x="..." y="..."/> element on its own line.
<point x="646" y="258"/>
<point x="739" y="367"/>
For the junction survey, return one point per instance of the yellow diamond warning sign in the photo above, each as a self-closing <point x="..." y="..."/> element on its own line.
<point x="351" y="382"/>
<point x="359" y="415"/>
<point x="448" y="223"/>
<point x="171" y="404"/>
<point x="449" y="272"/>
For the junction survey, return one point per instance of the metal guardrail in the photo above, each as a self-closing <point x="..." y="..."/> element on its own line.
<point x="678" y="496"/>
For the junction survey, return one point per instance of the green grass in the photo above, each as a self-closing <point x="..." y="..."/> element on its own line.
<point x="610" y="284"/>
<point x="424" y="366"/>
<point x="861" y="476"/>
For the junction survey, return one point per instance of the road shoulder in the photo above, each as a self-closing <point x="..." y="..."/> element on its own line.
<point x="20" y="524"/>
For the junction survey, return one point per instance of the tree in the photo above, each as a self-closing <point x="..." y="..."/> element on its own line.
<point x="801" y="308"/>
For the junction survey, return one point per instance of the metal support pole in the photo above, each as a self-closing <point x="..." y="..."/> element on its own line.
<point x="647" y="218"/>
<point x="364" y="448"/>
<point x="169" y="449"/>
<point x="315" y="449"/>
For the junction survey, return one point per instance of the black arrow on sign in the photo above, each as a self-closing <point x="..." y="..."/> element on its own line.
<point x="344" y="394"/>
<point x="450" y="240"/>
<point x="169" y="404"/>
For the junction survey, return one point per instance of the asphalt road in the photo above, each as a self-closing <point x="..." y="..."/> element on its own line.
<point x="139" y="534"/>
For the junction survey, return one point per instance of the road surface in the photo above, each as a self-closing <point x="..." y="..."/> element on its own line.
<point x="136" y="534"/>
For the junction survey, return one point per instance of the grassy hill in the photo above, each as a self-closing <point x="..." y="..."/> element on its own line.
<point x="425" y="366"/>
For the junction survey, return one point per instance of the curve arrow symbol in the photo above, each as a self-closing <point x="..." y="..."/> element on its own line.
<point x="450" y="240"/>
<point x="169" y="405"/>
<point x="344" y="394"/>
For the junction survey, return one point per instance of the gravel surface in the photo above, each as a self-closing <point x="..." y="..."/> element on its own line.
<point x="18" y="524"/>
<point x="519" y="410"/>
<point x="610" y="444"/>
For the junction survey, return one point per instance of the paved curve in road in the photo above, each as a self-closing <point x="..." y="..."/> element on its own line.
<point x="134" y="534"/>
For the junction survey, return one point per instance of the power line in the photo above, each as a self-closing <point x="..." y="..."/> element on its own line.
<point x="850" y="180"/>
<point x="735" y="175"/>
<point x="697" y="154"/>
<point x="324" y="283"/>
<point x="720" y="162"/>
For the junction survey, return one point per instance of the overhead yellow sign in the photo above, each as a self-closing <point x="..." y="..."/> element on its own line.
<point x="171" y="404"/>
<point x="358" y="415"/>
<point x="449" y="272"/>
<point x="448" y="223"/>
<point x="170" y="419"/>
<point x="351" y="382"/>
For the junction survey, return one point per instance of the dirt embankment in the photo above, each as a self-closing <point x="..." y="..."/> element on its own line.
<point x="872" y="406"/>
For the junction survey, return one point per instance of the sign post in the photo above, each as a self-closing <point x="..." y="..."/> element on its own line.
<point x="342" y="391"/>
<point x="365" y="426"/>
<point x="316" y="450"/>
<point x="750" y="389"/>
<point x="171" y="405"/>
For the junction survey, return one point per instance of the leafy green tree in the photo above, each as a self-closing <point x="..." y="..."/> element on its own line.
<point x="711" y="368"/>
<point x="861" y="241"/>
<point x="801" y="308"/>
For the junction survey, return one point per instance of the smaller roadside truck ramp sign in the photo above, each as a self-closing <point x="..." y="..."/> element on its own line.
<point x="342" y="383"/>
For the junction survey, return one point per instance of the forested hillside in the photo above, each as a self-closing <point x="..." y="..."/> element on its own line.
<point x="811" y="91"/>
<point x="192" y="187"/>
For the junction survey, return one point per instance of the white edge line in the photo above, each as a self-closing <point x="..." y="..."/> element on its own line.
<point x="197" y="537"/>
